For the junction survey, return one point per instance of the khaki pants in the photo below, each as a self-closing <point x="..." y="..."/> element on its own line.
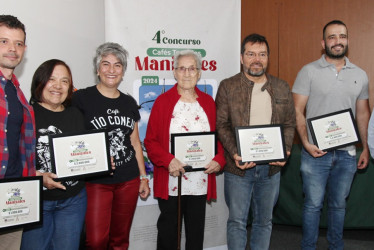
<point x="11" y="239"/>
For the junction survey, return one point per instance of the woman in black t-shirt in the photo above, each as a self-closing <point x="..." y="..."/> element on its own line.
<point x="111" y="200"/>
<point x="64" y="203"/>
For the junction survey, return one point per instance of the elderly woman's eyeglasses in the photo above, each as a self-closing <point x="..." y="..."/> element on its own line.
<point x="192" y="70"/>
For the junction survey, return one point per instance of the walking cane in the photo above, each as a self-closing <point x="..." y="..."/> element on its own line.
<point x="186" y="169"/>
<point x="179" y="211"/>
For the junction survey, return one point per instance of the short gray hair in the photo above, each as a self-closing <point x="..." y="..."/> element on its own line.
<point x="187" y="52"/>
<point x="109" y="48"/>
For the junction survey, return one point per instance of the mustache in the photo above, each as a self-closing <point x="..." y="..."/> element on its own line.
<point x="256" y="63"/>
<point x="12" y="54"/>
<point x="338" y="45"/>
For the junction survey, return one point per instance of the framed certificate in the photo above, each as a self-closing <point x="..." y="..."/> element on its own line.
<point x="334" y="130"/>
<point x="21" y="202"/>
<point x="261" y="144"/>
<point x="77" y="155"/>
<point x="194" y="149"/>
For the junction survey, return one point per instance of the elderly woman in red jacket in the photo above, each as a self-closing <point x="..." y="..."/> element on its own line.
<point x="182" y="109"/>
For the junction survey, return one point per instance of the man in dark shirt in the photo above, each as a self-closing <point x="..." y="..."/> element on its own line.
<point x="17" y="134"/>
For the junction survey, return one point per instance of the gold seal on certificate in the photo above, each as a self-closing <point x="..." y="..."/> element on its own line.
<point x="20" y="202"/>
<point x="74" y="155"/>
<point x="261" y="144"/>
<point x="334" y="130"/>
<point x="194" y="149"/>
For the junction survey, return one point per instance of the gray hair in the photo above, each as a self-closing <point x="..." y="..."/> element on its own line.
<point x="109" y="48"/>
<point x="187" y="52"/>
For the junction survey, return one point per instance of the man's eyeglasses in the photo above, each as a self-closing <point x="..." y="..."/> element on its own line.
<point x="192" y="70"/>
<point x="261" y="55"/>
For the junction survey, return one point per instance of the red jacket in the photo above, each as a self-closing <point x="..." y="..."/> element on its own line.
<point x="157" y="140"/>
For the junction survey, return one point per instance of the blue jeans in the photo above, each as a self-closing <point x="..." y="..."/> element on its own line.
<point x="62" y="225"/>
<point x="260" y="190"/>
<point x="333" y="172"/>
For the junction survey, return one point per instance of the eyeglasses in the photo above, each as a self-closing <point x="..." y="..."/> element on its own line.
<point x="261" y="55"/>
<point x="192" y="70"/>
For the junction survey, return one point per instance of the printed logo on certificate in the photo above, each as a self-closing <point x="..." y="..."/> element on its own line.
<point x="21" y="202"/>
<point x="77" y="155"/>
<point x="334" y="130"/>
<point x="261" y="144"/>
<point x="194" y="149"/>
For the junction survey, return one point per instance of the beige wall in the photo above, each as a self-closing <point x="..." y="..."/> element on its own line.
<point x="68" y="30"/>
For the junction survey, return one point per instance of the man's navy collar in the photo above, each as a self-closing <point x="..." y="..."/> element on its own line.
<point x="14" y="80"/>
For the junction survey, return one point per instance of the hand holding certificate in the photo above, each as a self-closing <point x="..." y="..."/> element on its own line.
<point x="334" y="130"/>
<point x="261" y="144"/>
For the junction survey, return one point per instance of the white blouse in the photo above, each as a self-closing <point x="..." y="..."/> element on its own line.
<point x="188" y="118"/>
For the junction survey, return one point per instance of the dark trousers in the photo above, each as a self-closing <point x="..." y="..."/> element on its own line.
<point x="193" y="213"/>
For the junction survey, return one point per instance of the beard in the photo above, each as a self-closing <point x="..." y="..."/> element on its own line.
<point x="339" y="55"/>
<point x="258" y="72"/>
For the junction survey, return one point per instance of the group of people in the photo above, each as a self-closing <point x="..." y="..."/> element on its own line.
<point x="254" y="97"/>
<point x="106" y="204"/>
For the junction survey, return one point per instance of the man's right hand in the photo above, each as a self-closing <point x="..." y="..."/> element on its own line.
<point x="244" y="166"/>
<point x="313" y="150"/>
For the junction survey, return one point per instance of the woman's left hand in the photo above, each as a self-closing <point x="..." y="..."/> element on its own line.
<point x="144" y="189"/>
<point x="212" y="167"/>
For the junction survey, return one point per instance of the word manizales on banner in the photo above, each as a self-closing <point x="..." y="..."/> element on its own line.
<point x="145" y="64"/>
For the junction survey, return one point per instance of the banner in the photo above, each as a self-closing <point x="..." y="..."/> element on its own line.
<point x="152" y="31"/>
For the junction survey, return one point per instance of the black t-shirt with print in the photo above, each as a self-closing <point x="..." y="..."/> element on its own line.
<point x="48" y="123"/>
<point x="118" y="116"/>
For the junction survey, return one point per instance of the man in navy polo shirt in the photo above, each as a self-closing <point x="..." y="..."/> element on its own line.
<point x="17" y="134"/>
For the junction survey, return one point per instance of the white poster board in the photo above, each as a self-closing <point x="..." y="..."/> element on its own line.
<point x="152" y="31"/>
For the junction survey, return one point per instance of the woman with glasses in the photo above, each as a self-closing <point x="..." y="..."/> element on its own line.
<point x="182" y="109"/>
